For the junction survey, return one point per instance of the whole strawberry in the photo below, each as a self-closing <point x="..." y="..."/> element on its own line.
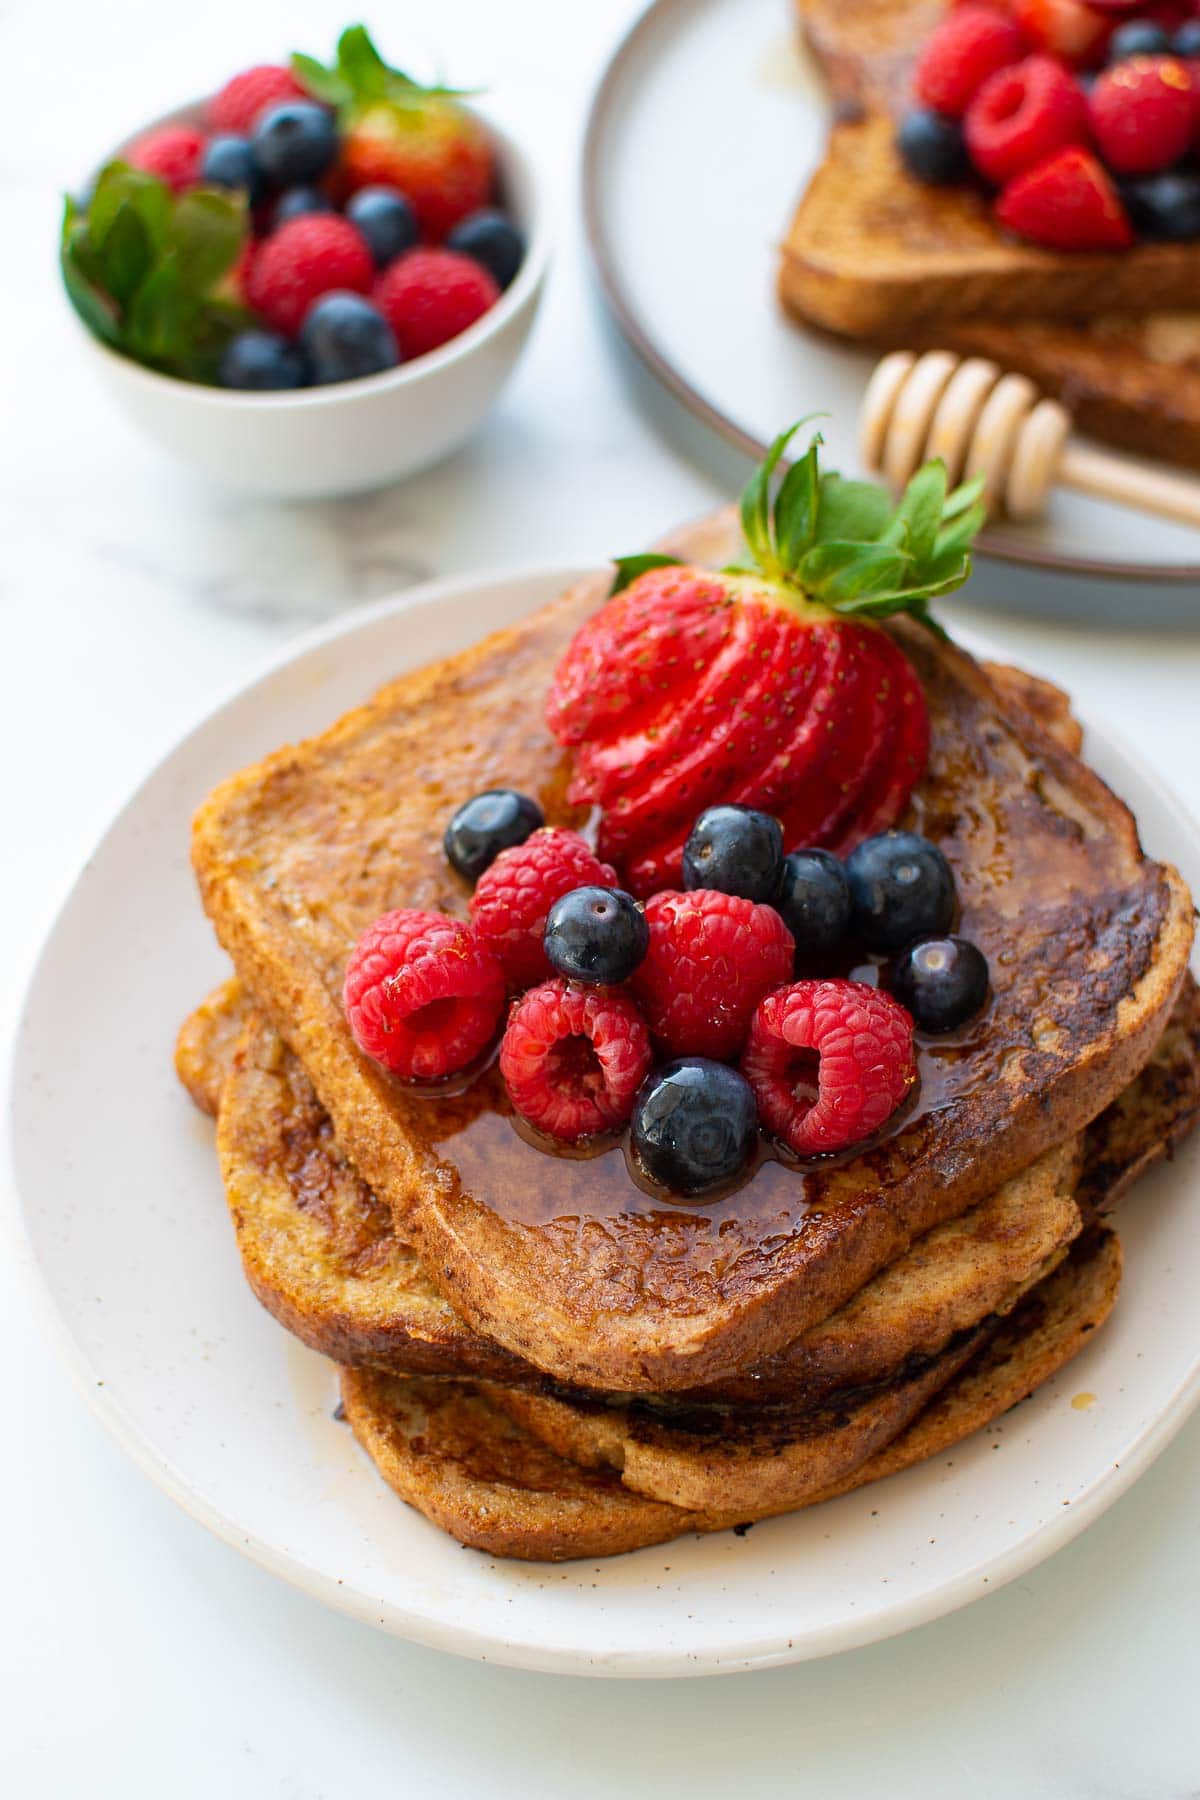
<point x="398" y="134"/>
<point x="773" y="686"/>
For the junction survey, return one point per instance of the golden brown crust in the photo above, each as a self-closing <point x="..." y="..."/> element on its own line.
<point x="1087" y="943"/>
<point x="206" y="1043"/>
<point x="468" y="1466"/>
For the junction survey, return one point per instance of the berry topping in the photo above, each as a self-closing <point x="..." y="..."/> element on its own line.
<point x="228" y="162"/>
<point x="829" y="1063"/>
<point x="1143" y="114"/>
<point x="422" y="994"/>
<point x="430" y="296"/>
<point x="487" y="824"/>
<point x="1140" y="37"/>
<point x="1023" y="115"/>
<point x="401" y="135"/>
<point x="1066" y="203"/>
<point x="295" y="202"/>
<point x="172" y="152"/>
<point x="386" y="220"/>
<point x="695" y="1125"/>
<point x="295" y="141"/>
<point x="488" y="237"/>
<point x="261" y="362"/>
<point x="1186" y="42"/>
<point x="711" y="959"/>
<point x="1072" y="29"/>
<point x="814" y="903"/>
<point x="514" y="896"/>
<point x="596" y="935"/>
<point x="242" y="101"/>
<point x="735" y="850"/>
<point x="573" y="1058"/>
<point x="753" y="687"/>
<point x="900" y="887"/>
<point x="304" y="259"/>
<point x="943" y="981"/>
<point x="344" y="337"/>
<point x="970" y="44"/>
<point x="932" y="147"/>
<point x="1165" y="206"/>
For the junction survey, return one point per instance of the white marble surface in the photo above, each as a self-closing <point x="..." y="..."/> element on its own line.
<point x="137" y="1654"/>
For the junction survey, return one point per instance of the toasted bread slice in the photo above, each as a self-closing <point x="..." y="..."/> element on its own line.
<point x="321" y="1253"/>
<point x="1132" y="378"/>
<point x="871" y="250"/>
<point x="206" y="1043"/>
<point x="569" y="1265"/>
<point x="465" y="1463"/>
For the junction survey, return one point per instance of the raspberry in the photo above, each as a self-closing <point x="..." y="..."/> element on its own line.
<point x="515" y="893"/>
<point x="711" y="959"/>
<point x="970" y="44"/>
<point x="304" y="259"/>
<point x="173" y="153"/>
<point x="829" y="1062"/>
<point x="573" y="1058"/>
<point x="1066" y="203"/>
<point x="1143" y="114"/>
<point x="429" y="296"/>
<point x="238" y="106"/>
<point x="422" y="994"/>
<point x="1022" y="116"/>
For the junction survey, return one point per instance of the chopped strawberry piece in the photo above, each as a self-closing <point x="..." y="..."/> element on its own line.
<point x="1066" y="203"/>
<point x="1067" y="28"/>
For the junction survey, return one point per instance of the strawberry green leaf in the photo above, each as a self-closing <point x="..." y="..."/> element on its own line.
<point x="126" y="255"/>
<point x="962" y="499"/>
<point x="208" y="228"/>
<point x="118" y="185"/>
<point x="914" y="524"/>
<point x="756" y="505"/>
<point x="630" y="567"/>
<point x="327" y="85"/>
<point x="852" y="510"/>
<point x="841" y="572"/>
<point x="80" y="280"/>
<point x="796" y="507"/>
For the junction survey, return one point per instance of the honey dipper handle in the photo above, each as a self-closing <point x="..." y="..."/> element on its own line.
<point x="1108" y="477"/>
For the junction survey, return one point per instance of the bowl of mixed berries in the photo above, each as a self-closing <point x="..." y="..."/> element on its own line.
<point x="1078" y="119"/>
<point x="315" y="281"/>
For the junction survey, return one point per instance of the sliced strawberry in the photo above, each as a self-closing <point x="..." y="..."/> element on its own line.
<point x="1066" y="28"/>
<point x="1066" y="203"/>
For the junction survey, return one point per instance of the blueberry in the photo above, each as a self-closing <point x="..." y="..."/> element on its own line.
<point x="387" y="221"/>
<point x="297" y="203"/>
<point x="1140" y="37"/>
<point x="735" y="850"/>
<point x="943" y="981"/>
<point x="1164" y="206"/>
<point x="900" y="888"/>
<point x="293" y="142"/>
<point x="492" y="240"/>
<point x="596" y="934"/>
<point x="1186" y="41"/>
<point x="695" y="1125"/>
<point x="486" y="825"/>
<point x="932" y="147"/>
<point x="345" y="337"/>
<point x="814" y="902"/>
<point x="229" y="162"/>
<point x="262" y="361"/>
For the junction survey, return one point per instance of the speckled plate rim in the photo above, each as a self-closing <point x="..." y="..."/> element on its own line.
<point x="427" y="1626"/>
<point x="656" y="357"/>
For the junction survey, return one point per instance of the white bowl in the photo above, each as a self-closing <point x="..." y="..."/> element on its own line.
<point x="355" y="435"/>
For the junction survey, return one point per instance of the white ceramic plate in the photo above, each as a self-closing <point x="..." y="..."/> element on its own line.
<point x="125" y="1222"/>
<point x="702" y="135"/>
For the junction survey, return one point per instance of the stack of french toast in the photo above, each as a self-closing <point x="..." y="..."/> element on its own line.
<point x="552" y="1357"/>
<point x="876" y="254"/>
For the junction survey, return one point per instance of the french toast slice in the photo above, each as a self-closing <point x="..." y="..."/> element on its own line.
<point x="321" y="1254"/>
<point x="569" y="1265"/>
<point x="465" y="1462"/>
<point x="871" y="249"/>
<point x="1129" y="377"/>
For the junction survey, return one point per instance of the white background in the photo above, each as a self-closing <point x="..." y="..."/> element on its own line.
<point x="138" y="1656"/>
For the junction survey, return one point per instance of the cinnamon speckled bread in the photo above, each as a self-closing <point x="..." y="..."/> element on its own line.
<point x="583" y="1275"/>
<point x="466" y="1462"/>
<point x="872" y="253"/>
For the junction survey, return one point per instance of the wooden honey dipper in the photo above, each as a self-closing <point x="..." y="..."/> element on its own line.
<point x="981" y="421"/>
